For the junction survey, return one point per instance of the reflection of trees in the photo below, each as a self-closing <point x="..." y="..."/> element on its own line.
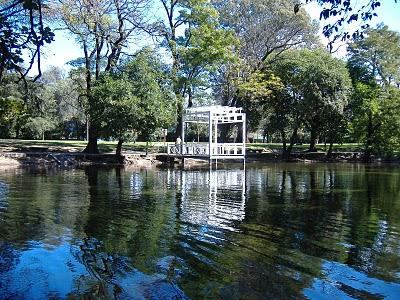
<point x="130" y="214"/>
<point x="376" y="213"/>
<point x="135" y="223"/>
<point x="217" y="234"/>
<point x="326" y="213"/>
<point x="40" y="205"/>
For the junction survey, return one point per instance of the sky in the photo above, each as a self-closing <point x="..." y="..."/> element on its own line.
<point x="64" y="48"/>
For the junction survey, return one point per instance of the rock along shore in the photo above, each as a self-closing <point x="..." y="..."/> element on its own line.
<point x="61" y="159"/>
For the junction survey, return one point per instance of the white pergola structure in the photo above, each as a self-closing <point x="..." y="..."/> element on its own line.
<point x="213" y="116"/>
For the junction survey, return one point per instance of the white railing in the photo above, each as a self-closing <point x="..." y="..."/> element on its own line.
<point x="195" y="149"/>
<point x="202" y="149"/>
<point x="228" y="149"/>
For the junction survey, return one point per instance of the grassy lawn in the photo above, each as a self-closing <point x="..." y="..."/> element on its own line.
<point x="72" y="145"/>
<point x="109" y="147"/>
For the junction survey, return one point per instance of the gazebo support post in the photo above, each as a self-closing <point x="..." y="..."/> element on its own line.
<point x="210" y="134"/>
<point x="244" y="135"/>
<point x="183" y="136"/>
<point x="216" y="135"/>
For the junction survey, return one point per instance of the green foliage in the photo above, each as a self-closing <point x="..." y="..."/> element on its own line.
<point x="201" y="48"/>
<point x="157" y="104"/>
<point x="13" y="111"/>
<point x="114" y="107"/>
<point x="103" y="28"/>
<point x="49" y="105"/>
<point x="255" y="94"/>
<point x="135" y="100"/>
<point x="259" y="86"/>
<point x="375" y="68"/>
<point x="376" y="118"/>
<point x="378" y="54"/>
<point x="316" y="90"/>
<point x="36" y="127"/>
<point x="265" y="30"/>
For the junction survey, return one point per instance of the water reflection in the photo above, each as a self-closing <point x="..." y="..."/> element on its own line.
<point x="272" y="231"/>
<point x="341" y="281"/>
<point x="224" y="204"/>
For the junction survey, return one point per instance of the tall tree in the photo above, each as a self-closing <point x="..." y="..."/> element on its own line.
<point x="379" y="54"/>
<point x="13" y="111"/>
<point x="374" y="65"/>
<point x="265" y="29"/>
<point x="61" y="94"/>
<point x="197" y="46"/>
<point x="318" y="85"/>
<point x="136" y="99"/>
<point x="103" y="28"/>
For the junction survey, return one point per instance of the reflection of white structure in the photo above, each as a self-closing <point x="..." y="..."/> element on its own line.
<point x="215" y="198"/>
<point x="213" y="116"/>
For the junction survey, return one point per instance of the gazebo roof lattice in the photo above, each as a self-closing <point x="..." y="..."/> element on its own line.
<point x="219" y="113"/>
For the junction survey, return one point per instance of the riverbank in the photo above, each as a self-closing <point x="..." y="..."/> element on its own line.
<point x="14" y="153"/>
<point x="64" y="159"/>
<point x="139" y="159"/>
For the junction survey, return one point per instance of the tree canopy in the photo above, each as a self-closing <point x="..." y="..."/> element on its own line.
<point x="315" y="92"/>
<point x="375" y="69"/>
<point x="133" y="100"/>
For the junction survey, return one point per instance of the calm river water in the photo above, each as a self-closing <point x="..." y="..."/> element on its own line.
<point x="273" y="231"/>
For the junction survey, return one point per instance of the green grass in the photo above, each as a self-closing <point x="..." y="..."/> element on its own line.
<point x="73" y="145"/>
<point x="109" y="147"/>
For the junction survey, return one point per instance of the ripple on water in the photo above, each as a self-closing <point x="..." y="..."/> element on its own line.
<point x="344" y="282"/>
<point x="274" y="232"/>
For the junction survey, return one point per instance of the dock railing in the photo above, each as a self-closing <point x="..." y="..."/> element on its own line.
<point x="219" y="150"/>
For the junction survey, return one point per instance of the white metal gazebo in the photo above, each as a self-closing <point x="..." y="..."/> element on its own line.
<point x="213" y="116"/>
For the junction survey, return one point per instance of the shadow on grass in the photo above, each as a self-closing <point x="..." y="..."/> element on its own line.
<point x="9" y="145"/>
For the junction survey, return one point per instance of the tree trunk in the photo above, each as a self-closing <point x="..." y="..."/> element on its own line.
<point x="292" y="141"/>
<point x="368" y="141"/>
<point x="224" y="132"/>
<point x="178" y="130"/>
<point x="190" y="101"/>
<point x="313" y="141"/>
<point x="91" y="146"/>
<point x="118" y="151"/>
<point x="288" y="150"/>
<point x="329" y="153"/>
<point x="17" y="130"/>
<point x="283" y="136"/>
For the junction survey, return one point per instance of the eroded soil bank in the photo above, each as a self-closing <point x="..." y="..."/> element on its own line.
<point x="11" y="159"/>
